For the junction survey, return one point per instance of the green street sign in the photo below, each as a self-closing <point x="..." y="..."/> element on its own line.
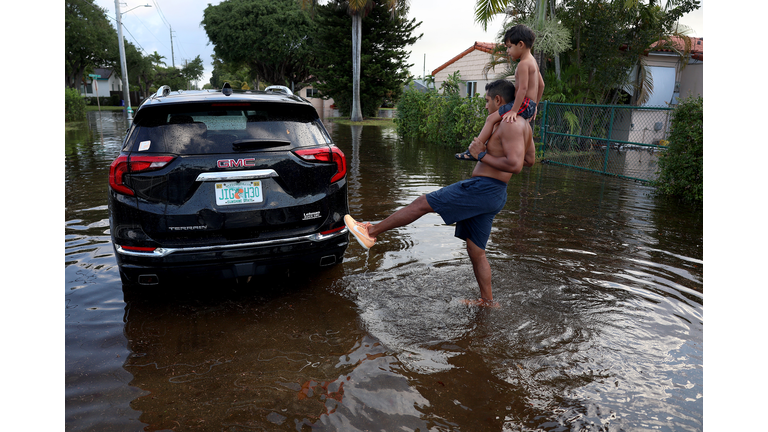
<point x="94" y="76"/>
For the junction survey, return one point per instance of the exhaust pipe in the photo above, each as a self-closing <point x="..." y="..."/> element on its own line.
<point x="148" y="279"/>
<point x="327" y="260"/>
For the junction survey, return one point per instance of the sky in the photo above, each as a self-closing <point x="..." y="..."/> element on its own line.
<point x="448" y="30"/>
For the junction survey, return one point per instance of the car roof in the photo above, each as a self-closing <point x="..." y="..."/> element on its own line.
<point x="178" y="97"/>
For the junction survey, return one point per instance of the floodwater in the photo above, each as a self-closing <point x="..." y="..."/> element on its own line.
<point x="600" y="324"/>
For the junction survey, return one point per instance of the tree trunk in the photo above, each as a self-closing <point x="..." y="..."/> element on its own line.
<point x="357" y="36"/>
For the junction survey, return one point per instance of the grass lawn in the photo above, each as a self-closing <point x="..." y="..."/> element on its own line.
<point x="370" y="121"/>
<point x="107" y="108"/>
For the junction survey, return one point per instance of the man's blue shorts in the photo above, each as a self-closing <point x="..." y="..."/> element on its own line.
<point x="471" y="204"/>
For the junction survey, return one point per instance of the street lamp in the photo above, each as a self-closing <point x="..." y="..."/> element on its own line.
<point x="126" y="94"/>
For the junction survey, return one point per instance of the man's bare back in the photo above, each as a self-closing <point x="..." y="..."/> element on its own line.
<point x="506" y="151"/>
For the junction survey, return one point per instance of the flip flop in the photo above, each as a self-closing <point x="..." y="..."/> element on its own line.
<point x="467" y="156"/>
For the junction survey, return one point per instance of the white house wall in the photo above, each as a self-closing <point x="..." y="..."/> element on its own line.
<point x="471" y="69"/>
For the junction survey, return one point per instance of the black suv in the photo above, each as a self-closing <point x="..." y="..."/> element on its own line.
<point x="227" y="185"/>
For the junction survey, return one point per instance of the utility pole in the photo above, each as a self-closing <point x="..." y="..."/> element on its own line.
<point x="123" y="68"/>
<point x="173" y="61"/>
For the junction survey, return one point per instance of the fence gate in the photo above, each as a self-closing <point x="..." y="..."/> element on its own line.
<point x="623" y="141"/>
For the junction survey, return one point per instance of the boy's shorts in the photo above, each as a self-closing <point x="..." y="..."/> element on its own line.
<point x="526" y="111"/>
<point x="472" y="204"/>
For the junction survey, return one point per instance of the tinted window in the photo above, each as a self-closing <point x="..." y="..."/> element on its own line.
<point x="221" y="128"/>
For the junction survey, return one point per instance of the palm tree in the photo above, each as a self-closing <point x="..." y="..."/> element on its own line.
<point x="358" y="9"/>
<point x="551" y="37"/>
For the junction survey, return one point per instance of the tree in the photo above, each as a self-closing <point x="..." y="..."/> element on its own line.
<point x="89" y="40"/>
<point x="271" y="37"/>
<point x="608" y="38"/>
<point x="383" y="43"/>
<point x="193" y="69"/>
<point x="358" y="9"/>
<point x="141" y="70"/>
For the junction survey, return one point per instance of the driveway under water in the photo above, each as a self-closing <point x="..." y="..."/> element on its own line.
<point x="600" y="326"/>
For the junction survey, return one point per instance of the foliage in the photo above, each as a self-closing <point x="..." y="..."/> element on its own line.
<point x="273" y="38"/>
<point x="89" y="40"/>
<point x="383" y="52"/>
<point x="447" y="119"/>
<point x="681" y="167"/>
<point x="74" y="105"/>
<point x="452" y="84"/>
<point x="608" y="39"/>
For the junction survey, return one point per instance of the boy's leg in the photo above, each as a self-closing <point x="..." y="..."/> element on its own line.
<point x="406" y="215"/>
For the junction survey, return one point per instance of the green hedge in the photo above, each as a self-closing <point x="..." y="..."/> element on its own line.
<point x="681" y="167"/>
<point x="74" y="105"/>
<point x="448" y="119"/>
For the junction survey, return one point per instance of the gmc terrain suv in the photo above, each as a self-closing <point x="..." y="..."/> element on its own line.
<point x="226" y="185"/>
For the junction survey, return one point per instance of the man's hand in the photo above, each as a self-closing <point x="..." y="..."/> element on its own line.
<point x="476" y="147"/>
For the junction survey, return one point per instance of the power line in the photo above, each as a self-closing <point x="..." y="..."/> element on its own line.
<point x="152" y="33"/>
<point x="129" y="32"/>
<point x="160" y="12"/>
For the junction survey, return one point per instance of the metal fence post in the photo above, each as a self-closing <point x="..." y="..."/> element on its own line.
<point x="608" y="141"/>
<point x="543" y="129"/>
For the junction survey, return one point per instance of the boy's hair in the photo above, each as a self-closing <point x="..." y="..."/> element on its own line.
<point x="519" y="33"/>
<point x="502" y="88"/>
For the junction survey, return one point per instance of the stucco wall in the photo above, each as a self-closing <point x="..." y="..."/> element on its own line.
<point x="471" y="69"/>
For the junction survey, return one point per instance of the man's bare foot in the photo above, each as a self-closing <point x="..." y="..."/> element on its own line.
<point x="482" y="302"/>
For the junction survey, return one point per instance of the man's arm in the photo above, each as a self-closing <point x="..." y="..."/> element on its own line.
<point x="513" y="143"/>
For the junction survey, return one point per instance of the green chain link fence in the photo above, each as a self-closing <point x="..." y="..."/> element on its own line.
<point x="623" y="141"/>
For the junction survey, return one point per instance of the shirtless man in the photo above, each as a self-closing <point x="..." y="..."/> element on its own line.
<point x="473" y="203"/>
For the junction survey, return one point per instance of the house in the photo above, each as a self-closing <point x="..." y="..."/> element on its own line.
<point x="108" y="81"/>
<point x="470" y="64"/>
<point x="671" y="81"/>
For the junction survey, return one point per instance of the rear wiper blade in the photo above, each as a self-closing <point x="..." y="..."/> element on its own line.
<point x="253" y="144"/>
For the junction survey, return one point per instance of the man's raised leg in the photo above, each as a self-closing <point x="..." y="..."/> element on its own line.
<point x="366" y="233"/>
<point x="406" y="215"/>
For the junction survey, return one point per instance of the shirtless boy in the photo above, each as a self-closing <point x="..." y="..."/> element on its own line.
<point x="530" y="86"/>
<point x="473" y="203"/>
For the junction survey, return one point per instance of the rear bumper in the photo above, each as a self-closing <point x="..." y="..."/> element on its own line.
<point x="233" y="260"/>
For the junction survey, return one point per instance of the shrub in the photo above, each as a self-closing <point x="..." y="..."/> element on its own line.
<point x="681" y="168"/>
<point x="74" y="105"/>
<point x="447" y="119"/>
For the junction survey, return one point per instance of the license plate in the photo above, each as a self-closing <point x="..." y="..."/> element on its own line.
<point x="243" y="192"/>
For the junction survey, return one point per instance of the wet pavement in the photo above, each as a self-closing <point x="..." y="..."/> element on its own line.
<point x="600" y="325"/>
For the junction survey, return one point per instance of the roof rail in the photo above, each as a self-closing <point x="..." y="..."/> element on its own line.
<point x="162" y="91"/>
<point x="279" y="89"/>
<point x="226" y="89"/>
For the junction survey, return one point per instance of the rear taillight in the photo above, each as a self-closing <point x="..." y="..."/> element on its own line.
<point x="334" y="155"/>
<point x="131" y="165"/>
<point x="139" y="248"/>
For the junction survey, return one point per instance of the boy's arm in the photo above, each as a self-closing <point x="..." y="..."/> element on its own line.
<point x="487" y="131"/>
<point x="538" y="97"/>
<point x="541" y="89"/>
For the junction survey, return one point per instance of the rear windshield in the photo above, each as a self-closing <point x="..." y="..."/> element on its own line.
<point x="225" y="128"/>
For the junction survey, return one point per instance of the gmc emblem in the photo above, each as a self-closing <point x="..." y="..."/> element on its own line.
<point x="232" y="163"/>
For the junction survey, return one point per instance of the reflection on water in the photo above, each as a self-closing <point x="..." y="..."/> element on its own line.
<point x="600" y="325"/>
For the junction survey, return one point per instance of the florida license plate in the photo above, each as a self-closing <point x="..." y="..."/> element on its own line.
<point x="243" y="192"/>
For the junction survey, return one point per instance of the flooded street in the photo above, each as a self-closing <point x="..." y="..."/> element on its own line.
<point x="600" y="326"/>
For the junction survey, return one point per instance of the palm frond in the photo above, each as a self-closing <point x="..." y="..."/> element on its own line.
<point x="485" y="10"/>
